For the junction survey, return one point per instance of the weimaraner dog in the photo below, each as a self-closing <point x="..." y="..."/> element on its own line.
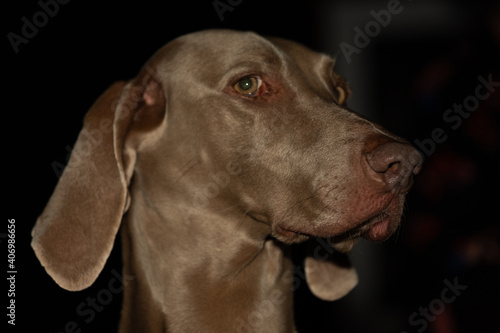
<point x="225" y="149"/>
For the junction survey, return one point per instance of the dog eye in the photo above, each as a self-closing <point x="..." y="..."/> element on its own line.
<point x="248" y="86"/>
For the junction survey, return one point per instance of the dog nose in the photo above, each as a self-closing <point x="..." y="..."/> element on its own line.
<point x="394" y="164"/>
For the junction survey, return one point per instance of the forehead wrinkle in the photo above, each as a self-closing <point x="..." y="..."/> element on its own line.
<point x="266" y="55"/>
<point x="281" y="57"/>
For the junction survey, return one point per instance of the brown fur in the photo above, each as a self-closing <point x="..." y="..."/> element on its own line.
<point x="211" y="186"/>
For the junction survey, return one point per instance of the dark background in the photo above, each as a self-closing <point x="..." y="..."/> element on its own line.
<point x="426" y="59"/>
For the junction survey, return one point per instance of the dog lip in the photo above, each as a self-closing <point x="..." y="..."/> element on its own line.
<point x="343" y="243"/>
<point x="378" y="227"/>
<point x="286" y="232"/>
<point x="289" y="236"/>
<point x="375" y="228"/>
<point x="289" y="232"/>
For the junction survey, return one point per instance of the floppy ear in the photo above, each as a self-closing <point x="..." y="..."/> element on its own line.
<point x="74" y="235"/>
<point x="329" y="273"/>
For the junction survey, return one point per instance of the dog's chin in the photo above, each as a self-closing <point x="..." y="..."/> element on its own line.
<point x="377" y="228"/>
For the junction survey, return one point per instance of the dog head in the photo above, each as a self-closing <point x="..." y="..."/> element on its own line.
<point x="274" y="112"/>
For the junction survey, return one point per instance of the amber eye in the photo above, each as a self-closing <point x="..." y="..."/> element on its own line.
<point x="341" y="93"/>
<point x="248" y="85"/>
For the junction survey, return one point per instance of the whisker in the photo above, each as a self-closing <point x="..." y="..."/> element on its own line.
<point x="296" y="203"/>
<point x="239" y="223"/>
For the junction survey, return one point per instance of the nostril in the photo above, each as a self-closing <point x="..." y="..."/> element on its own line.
<point x="394" y="163"/>
<point x="394" y="167"/>
<point x="386" y="157"/>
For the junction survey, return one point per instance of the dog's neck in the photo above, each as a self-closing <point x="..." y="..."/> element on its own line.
<point x="190" y="263"/>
